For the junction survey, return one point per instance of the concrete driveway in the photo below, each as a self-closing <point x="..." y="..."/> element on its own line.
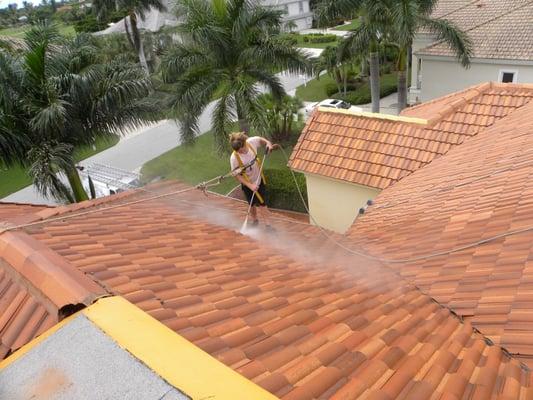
<point x="137" y="148"/>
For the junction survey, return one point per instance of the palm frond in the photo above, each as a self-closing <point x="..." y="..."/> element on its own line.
<point x="276" y="54"/>
<point x="427" y="6"/>
<point x="454" y="37"/>
<point x="180" y="58"/>
<point x="247" y="97"/>
<point x="222" y="119"/>
<point x="405" y="17"/>
<point x="194" y="91"/>
<point x="357" y="43"/>
<point x="46" y="161"/>
<point x="329" y="10"/>
<point x="269" y="80"/>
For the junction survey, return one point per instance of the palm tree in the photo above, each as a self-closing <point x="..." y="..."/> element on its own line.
<point x="407" y="18"/>
<point x="365" y="39"/>
<point x="281" y="115"/>
<point x="54" y="97"/>
<point x="228" y="50"/>
<point x="136" y="9"/>
<point x="338" y="65"/>
<point x="328" y="61"/>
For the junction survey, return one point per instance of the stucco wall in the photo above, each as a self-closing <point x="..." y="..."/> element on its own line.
<point x="296" y="11"/>
<point x="440" y="77"/>
<point x="335" y="204"/>
<point x="421" y="41"/>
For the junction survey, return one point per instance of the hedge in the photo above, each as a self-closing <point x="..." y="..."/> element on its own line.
<point x="281" y="191"/>
<point x="331" y="89"/>
<point x="319" y="38"/>
<point x="290" y="40"/>
<point x="388" y="85"/>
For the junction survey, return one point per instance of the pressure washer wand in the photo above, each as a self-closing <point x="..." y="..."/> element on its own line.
<point x="245" y="223"/>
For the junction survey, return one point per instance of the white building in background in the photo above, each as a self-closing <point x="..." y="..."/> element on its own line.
<point x="297" y="13"/>
<point x="502" y="36"/>
<point x="297" y="16"/>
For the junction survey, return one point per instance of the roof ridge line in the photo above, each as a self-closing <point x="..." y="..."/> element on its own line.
<point x="457" y="9"/>
<point x="383" y="117"/>
<point x="20" y="203"/>
<point x="509" y="11"/>
<point x="440" y="98"/>
<point x="453" y="106"/>
<point x="65" y="209"/>
<point x="513" y="86"/>
<point x="48" y="274"/>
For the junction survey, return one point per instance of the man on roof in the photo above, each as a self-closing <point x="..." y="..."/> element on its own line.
<point x="246" y="168"/>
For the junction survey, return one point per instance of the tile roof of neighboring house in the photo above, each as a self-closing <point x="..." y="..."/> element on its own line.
<point x="302" y="323"/>
<point x="478" y="190"/>
<point x="445" y="7"/>
<point x="499" y="29"/>
<point x="376" y="151"/>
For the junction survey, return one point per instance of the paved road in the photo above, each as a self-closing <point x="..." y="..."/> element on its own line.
<point x="137" y="148"/>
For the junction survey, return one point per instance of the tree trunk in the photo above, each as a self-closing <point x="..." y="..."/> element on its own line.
<point x="138" y="43"/>
<point x="128" y="33"/>
<point x="345" y="81"/>
<point x="364" y="63"/>
<point x="289" y="128"/>
<point x="284" y="126"/>
<point x="241" y="119"/>
<point x="402" y="80"/>
<point x="374" y="80"/>
<point x="76" y="185"/>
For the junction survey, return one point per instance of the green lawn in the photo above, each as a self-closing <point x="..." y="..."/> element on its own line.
<point x="301" y="43"/>
<point x="315" y="90"/>
<point x="199" y="162"/>
<point x="348" y="27"/>
<point x="310" y="45"/>
<point x="18" y="32"/>
<point x="15" y="178"/>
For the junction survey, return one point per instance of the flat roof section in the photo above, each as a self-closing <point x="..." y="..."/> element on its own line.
<point x="79" y="361"/>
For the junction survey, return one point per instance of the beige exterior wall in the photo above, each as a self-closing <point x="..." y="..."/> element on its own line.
<point x="335" y="204"/>
<point x="421" y="41"/>
<point x="444" y="76"/>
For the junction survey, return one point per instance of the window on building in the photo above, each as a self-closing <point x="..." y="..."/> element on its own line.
<point x="286" y="9"/>
<point x="301" y="5"/>
<point x="508" y="76"/>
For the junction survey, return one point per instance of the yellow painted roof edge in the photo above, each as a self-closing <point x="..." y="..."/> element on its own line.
<point x="178" y="361"/>
<point x="388" y="117"/>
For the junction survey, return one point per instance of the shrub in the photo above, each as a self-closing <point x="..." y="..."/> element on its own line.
<point x="319" y="38"/>
<point x="90" y="24"/>
<point x="290" y="40"/>
<point x="391" y="53"/>
<point x="362" y="94"/>
<point x="281" y="191"/>
<point x="386" y="68"/>
<point x="331" y="89"/>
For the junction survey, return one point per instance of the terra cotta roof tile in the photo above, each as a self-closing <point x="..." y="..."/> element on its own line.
<point x="288" y="311"/>
<point x="498" y="29"/>
<point x="478" y="190"/>
<point x="375" y="151"/>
